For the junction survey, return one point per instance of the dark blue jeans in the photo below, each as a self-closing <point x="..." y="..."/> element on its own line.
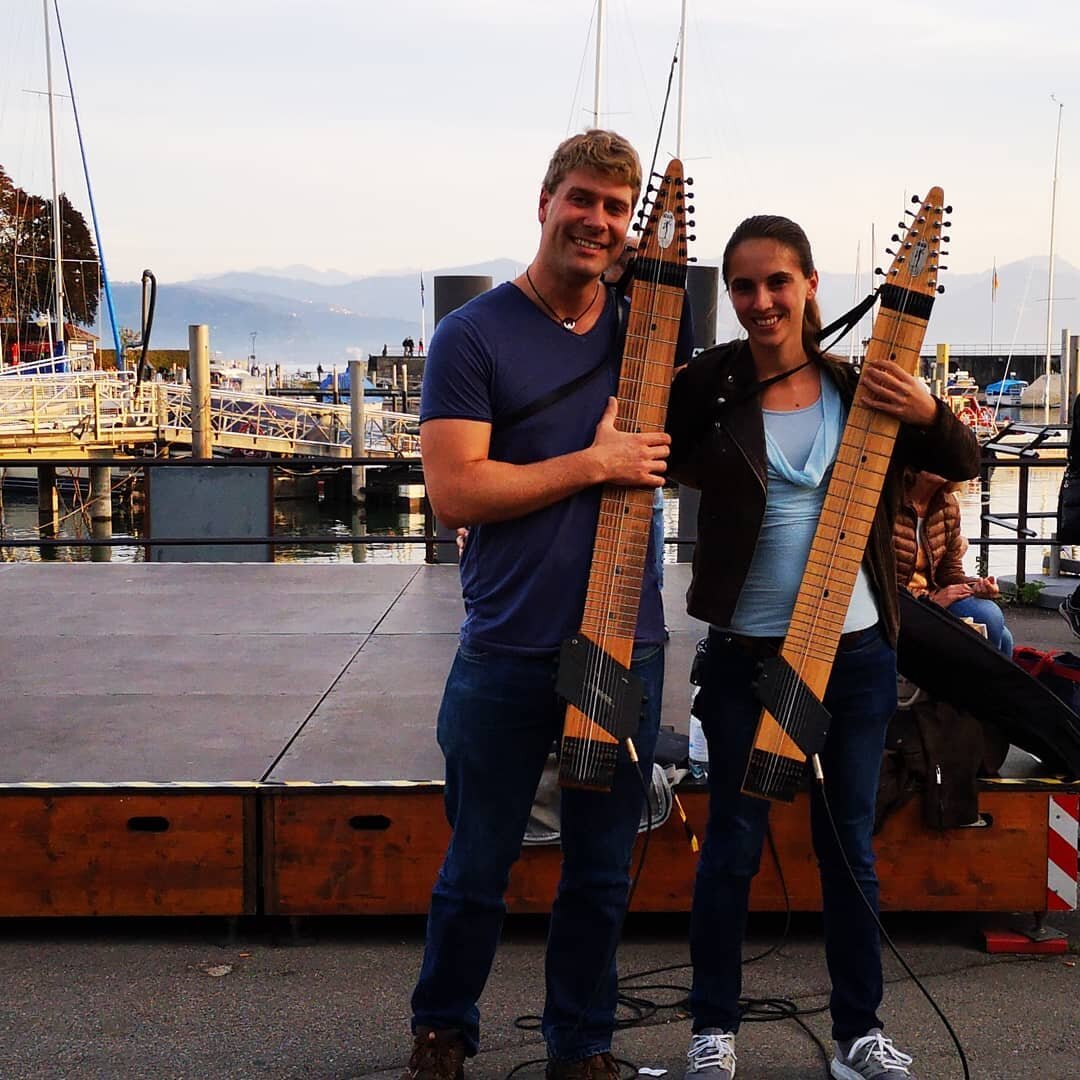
<point x="990" y="615"/>
<point x="861" y="697"/>
<point x="498" y="720"/>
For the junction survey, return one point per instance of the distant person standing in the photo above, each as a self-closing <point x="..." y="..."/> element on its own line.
<point x="420" y="347"/>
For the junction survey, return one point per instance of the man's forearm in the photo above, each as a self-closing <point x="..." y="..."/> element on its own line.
<point x="485" y="491"/>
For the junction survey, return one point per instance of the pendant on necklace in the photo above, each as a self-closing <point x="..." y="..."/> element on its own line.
<point x="569" y="324"/>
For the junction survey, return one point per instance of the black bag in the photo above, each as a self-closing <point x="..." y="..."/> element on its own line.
<point x="1068" y="510"/>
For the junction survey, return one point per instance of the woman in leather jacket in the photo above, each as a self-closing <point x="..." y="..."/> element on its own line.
<point x="755" y="424"/>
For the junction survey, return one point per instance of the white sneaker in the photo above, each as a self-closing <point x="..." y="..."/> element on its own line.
<point x="711" y="1055"/>
<point x="873" y="1057"/>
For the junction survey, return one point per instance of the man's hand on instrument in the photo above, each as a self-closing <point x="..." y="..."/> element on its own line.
<point x="887" y="387"/>
<point x="626" y="458"/>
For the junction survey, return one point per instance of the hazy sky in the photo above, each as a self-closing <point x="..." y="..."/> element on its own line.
<point x="370" y="136"/>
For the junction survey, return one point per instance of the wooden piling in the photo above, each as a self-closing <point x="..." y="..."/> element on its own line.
<point x="199" y="373"/>
<point x="101" y="511"/>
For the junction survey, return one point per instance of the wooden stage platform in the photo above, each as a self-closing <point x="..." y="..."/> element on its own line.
<point x="237" y="739"/>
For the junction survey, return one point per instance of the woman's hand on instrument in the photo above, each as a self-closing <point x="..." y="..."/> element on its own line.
<point x="887" y="387"/>
<point x="628" y="458"/>
<point x="949" y="594"/>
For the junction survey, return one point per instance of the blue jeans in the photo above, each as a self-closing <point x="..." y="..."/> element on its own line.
<point x="861" y="697"/>
<point x="498" y="720"/>
<point x="990" y="615"/>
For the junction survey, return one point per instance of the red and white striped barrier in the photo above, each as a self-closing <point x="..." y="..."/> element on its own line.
<point x="1061" y="853"/>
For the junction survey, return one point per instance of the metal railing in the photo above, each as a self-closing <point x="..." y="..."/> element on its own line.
<point x="106" y="407"/>
<point x="332" y="422"/>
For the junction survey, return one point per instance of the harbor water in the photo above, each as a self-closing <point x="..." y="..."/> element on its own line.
<point x="300" y="518"/>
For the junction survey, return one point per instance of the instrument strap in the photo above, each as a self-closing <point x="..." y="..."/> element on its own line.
<point x="613" y="356"/>
<point x="847" y="320"/>
<point x="843" y="324"/>
<point x="508" y="420"/>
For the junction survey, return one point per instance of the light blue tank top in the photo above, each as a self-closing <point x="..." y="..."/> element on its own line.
<point x="800" y="448"/>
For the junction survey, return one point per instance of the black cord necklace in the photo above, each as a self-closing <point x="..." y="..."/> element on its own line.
<point x="569" y="322"/>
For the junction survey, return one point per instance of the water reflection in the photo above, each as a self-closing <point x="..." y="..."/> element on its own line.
<point x="18" y="519"/>
<point x="298" y="517"/>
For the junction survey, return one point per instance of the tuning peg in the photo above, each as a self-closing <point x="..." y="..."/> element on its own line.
<point x="878" y="271"/>
<point x="889" y="251"/>
<point x="691" y="224"/>
<point x="691" y="237"/>
<point x="895" y="237"/>
<point x="657" y="175"/>
<point x="893" y="273"/>
<point x="948" y="210"/>
<point x="947" y="224"/>
<point x="689" y="180"/>
<point x="941" y="288"/>
<point x="911" y="212"/>
<point x="916" y="199"/>
<point x="636" y="227"/>
<point x="943" y="252"/>
<point x="693" y="258"/>
<point x="946" y="239"/>
<point x="943" y="267"/>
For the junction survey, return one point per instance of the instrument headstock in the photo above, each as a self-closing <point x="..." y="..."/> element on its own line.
<point x="917" y="256"/>
<point x="661" y="256"/>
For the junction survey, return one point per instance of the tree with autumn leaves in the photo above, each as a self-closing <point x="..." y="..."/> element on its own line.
<point x="27" y="267"/>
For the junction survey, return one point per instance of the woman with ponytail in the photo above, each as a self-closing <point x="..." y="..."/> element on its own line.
<point x="755" y="424"/>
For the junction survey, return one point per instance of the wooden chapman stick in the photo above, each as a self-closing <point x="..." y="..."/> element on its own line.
<point x="793" y="724"/>
<point x="604" y="698"/>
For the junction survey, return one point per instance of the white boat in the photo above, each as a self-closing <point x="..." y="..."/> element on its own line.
<point x="230" y="376"/>
<point x="1006" y="392"/>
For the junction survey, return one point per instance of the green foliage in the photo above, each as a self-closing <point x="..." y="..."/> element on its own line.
<point x="1028" y="594"/>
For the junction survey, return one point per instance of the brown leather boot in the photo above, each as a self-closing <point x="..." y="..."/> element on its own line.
<point x="598" y="1067"/>
<point x="436" y="1055"/>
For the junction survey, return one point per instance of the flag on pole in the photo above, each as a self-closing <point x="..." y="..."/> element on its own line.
<point x="994" y="285"/>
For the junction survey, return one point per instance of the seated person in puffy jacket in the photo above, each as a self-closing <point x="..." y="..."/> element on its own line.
<point x="930" y="557"/>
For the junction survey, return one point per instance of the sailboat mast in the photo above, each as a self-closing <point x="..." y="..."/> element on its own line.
<point x="1050" y="279"/>
<point x="682" y="83"/>
<point x="58" y="293"/>
<point x="599" y="61"/>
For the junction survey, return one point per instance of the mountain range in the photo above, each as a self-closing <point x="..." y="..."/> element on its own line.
<point x="303" y="317"/>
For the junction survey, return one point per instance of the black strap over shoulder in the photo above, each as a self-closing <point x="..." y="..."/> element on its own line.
<point x="613" y="357"/>
<point x="846" y="321"/>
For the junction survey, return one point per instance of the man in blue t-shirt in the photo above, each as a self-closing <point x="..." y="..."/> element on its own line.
<point x="527" y="482"/>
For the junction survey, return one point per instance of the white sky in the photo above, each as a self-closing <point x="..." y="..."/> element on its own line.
<point x="370" y="136"/>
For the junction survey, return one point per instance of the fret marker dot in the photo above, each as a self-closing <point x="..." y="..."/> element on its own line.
<point x="863" y="459"/>
<point x="842" y="535"/>
<point x="825" y="593"/>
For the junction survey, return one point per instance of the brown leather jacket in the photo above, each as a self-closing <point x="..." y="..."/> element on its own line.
<point x="718" y="445"/>
<point x="943" y="544"/>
